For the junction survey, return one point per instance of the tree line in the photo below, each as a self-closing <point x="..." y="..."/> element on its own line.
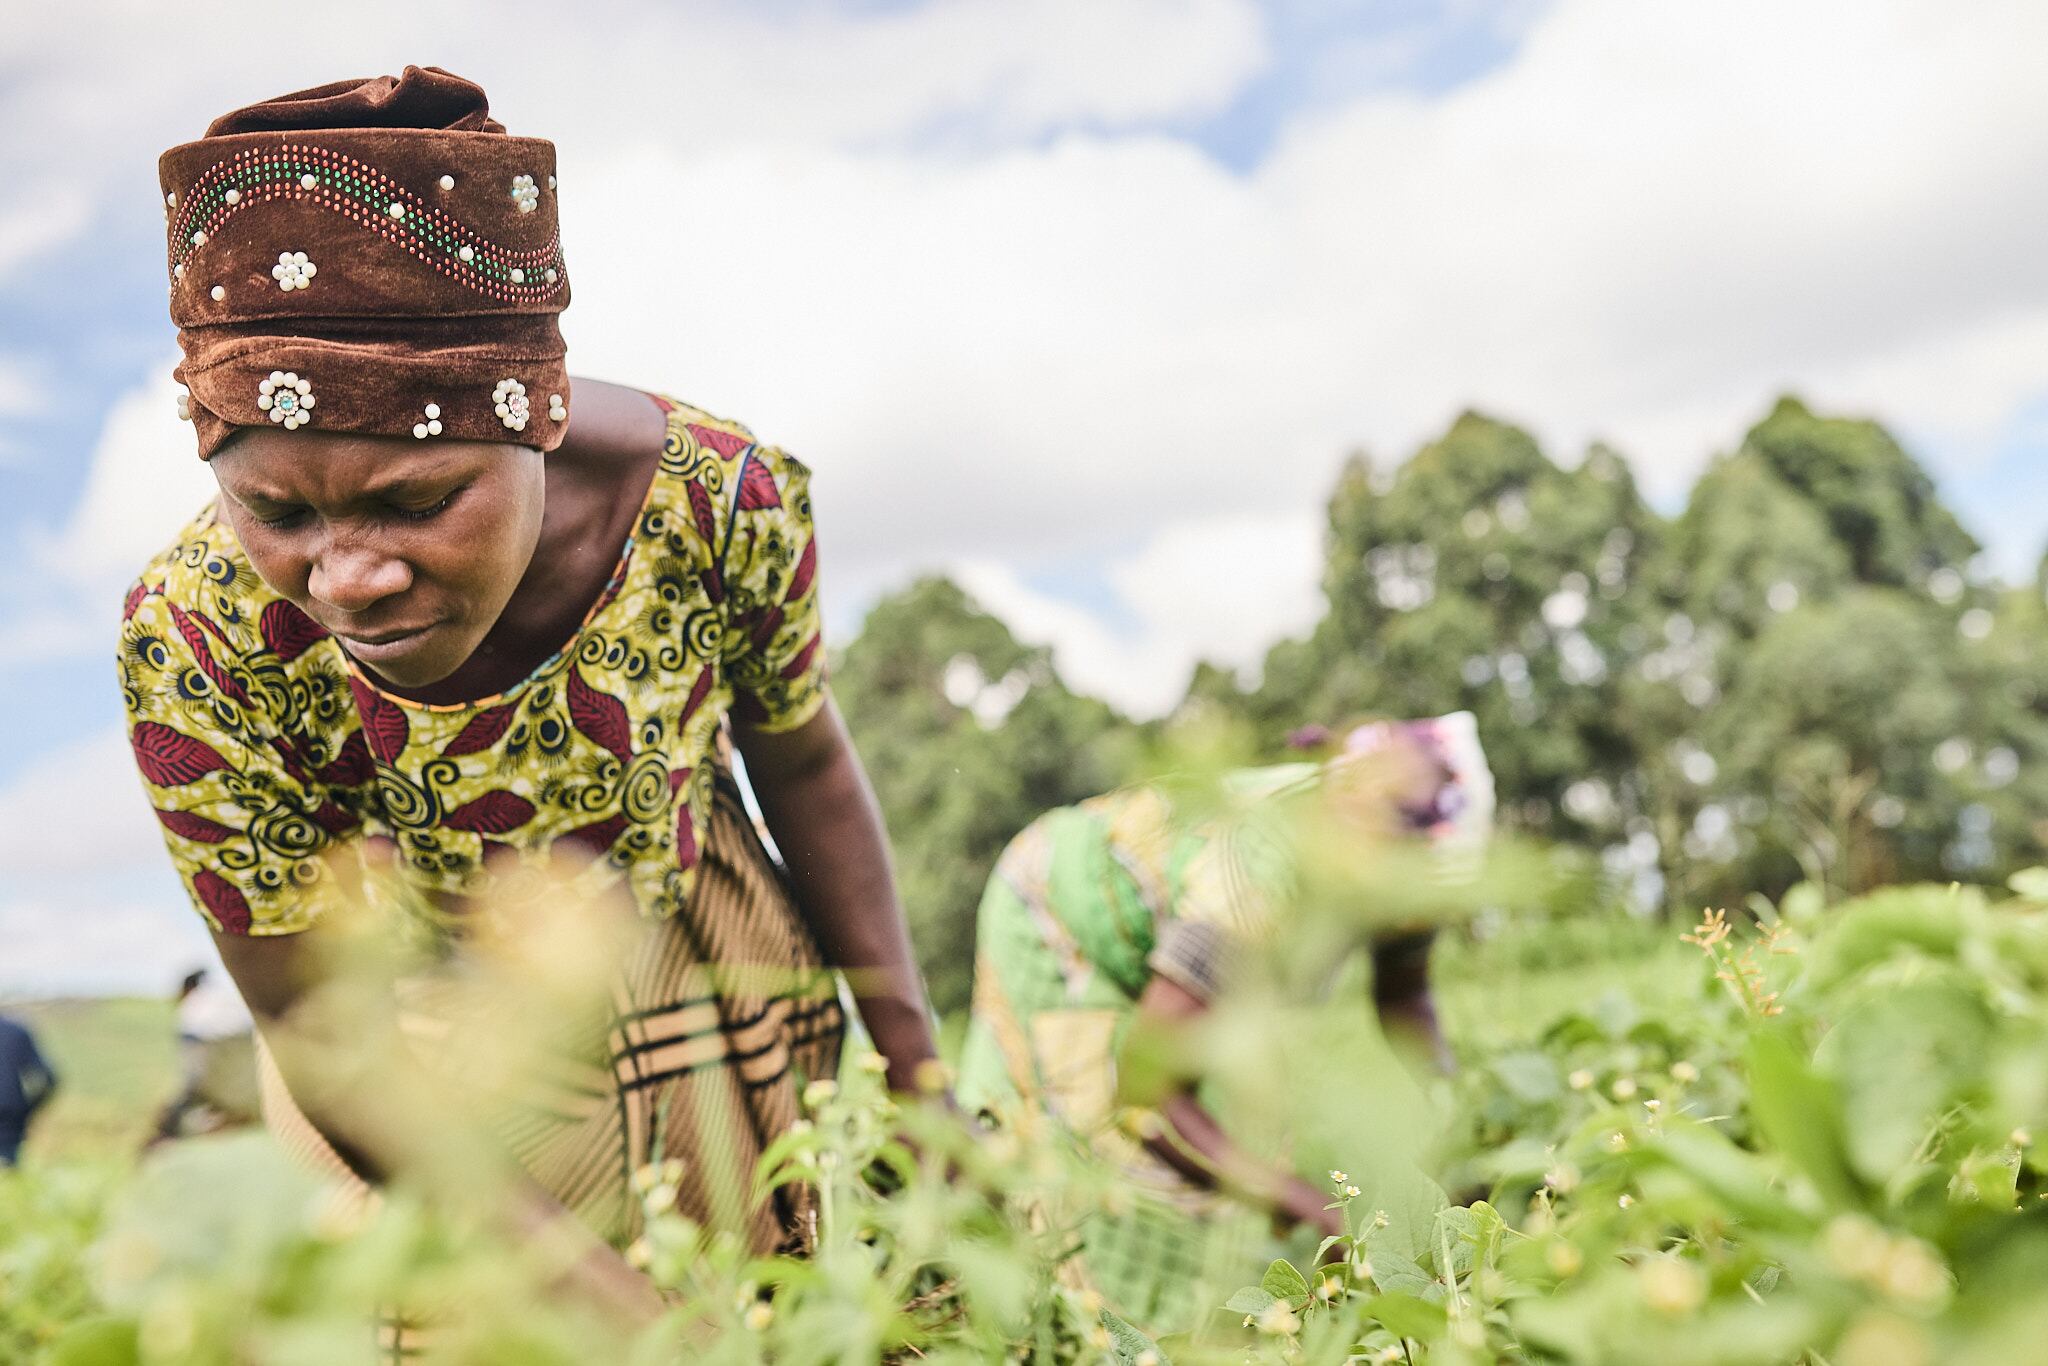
<point x="1807" y="675"/>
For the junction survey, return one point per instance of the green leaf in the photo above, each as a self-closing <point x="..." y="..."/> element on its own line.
<point x="1901" y="1056"/>
<point x="100" y="1341"/>
<point x="1394" y="1270"/>
<point x="1251" y="1300"/>
<point x="1405" y="1316"/>
<point x="1127" y="1344"/>
<point x="1729" y="1174"/>
<point x="1529" y="1077"/>
<point x="1283" y="1282"/>
<point x="1800" y="1115"/>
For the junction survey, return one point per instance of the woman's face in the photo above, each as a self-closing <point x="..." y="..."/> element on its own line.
<point x="406" y="550"/>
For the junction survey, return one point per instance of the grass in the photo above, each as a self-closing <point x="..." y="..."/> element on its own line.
<point x="117" y="1063"/>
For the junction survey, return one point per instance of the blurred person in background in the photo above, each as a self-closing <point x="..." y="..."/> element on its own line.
<point x="216" y="1061"/>
<point x="26" y="1083"/>
<point x="1125" y="913"/>
<point x="462" y="641"/>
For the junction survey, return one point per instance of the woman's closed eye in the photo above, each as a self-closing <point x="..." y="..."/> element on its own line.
<point x="426" y="512"/>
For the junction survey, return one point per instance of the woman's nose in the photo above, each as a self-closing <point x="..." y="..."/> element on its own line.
<point x="354" y="579"/>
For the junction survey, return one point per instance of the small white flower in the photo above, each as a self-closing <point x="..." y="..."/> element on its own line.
<point x="1624" y="1087"/>
<point x="1278" y="1320"/>
<point x="1338" y="1178"/>
<point x="287" y="398"/>
<point x="1351" y="1192"/>
<point x="525" y="193"/>
<point x="1684" y="1071"/>
<point x="1580" y="1080"/>
<point x="759" y="1317"/>
<point x="509" y="399"/>
<point x="293" y="271"/>
<point x="820" y="1092"/>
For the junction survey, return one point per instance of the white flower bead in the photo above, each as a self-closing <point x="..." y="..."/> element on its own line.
<point x="293" y="271"/>
<point x="447" y="182"/>
<point x="217" y="293"/>
<point x="525" y="194"/>
<point x="233" y="196"/>
<point x="309" y="181"/>
<point x="287" y="398"/>
<point x="508" y="400"/>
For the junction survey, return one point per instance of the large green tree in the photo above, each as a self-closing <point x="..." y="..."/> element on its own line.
<point x="1481" y="575"/>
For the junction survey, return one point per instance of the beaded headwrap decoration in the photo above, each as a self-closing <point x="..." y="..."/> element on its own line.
<point x="372" y="256"/>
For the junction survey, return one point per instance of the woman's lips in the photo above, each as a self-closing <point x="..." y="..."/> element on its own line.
<point x="387" y="645"/>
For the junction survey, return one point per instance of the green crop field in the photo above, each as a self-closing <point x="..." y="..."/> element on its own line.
<point x="1803" y="1139"/>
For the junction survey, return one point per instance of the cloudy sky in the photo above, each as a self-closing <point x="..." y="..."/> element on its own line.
<point x="1080" y="300"/>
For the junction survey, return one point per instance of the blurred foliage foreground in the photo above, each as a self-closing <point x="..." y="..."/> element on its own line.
<point x="1805" y="1136"/>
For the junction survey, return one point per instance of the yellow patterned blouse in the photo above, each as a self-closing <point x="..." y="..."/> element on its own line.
<point x="262" y="746"/>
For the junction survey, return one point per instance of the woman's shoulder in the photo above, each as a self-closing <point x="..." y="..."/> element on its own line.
<point x="697" y="435"/>
<point x="201" y="569"/>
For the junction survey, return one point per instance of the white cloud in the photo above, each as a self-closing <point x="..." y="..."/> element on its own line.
<point x="1218" y="589"/>
<point x="86" y="939"/>
<point x="143" y="481"/>
<point x="79" y="809"/>
<point x="89" y="901"/>
<point x="959" y="74"/>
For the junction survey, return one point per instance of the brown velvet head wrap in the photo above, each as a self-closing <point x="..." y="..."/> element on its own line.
<point x="370" y="256"/>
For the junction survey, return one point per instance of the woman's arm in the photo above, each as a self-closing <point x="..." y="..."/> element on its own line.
<point x="1400" y="991"/>
<point x="1196" y="1146"/>
<point x="335" y="1039"/>
<point x="818" y="805"/>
